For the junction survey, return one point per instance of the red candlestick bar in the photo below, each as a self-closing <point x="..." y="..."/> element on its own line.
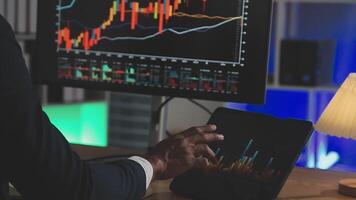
<point x="122" y="10"/>
<point x="161" y="12"/>
<point x="150" y="7"/>
<point x="67" y="39"/>
<point x="167" y="9"/>
<point x="60" y="38"/>
<point x="176" y="5"/>
<point x="86" y="40"/>
<point x="98" y="35"/>
<point x="134" y="14"/>
<point x="137" y="7"/>
<point x="91" y="43"/>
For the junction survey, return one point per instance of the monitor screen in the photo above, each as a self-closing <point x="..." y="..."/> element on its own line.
<point x="208" y="49"/>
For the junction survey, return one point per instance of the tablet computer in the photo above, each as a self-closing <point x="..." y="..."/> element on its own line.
<point x="255" y="159"/>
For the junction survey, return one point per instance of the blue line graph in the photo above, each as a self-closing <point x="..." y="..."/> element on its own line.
<point x="198" y="29"/>
<point x="68" y="6"/>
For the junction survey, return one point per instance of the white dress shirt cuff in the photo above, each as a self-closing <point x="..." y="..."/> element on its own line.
<point x="147" y="167"/>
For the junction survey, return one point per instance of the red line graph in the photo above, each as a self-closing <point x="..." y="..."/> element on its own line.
<point x="160" y="11"/>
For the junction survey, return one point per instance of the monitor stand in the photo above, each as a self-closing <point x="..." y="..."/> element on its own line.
<point x="159" y="120"/>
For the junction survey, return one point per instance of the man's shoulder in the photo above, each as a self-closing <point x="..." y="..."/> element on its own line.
<point x="5" y="28"/>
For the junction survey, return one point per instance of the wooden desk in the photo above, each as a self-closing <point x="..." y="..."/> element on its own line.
<point x="303" y="184"/>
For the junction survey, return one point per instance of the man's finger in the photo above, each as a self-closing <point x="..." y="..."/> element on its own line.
<point x="201" y="129"/>
<point x="205" y="151"/>
<point x="207" y="138"/>
<point x="201" y="162"/>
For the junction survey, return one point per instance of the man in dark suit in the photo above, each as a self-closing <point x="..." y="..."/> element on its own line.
<point x="39" y="162"/>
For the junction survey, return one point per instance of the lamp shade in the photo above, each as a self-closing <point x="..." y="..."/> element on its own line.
<point x="339" y="117"/>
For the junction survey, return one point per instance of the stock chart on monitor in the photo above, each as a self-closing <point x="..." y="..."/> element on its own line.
<point x="187" y="48"/>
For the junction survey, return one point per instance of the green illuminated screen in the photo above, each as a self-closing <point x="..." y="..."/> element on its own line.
<point x="84" y="123"/>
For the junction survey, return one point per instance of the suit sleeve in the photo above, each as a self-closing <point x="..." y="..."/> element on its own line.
<point x="35" y="156"/>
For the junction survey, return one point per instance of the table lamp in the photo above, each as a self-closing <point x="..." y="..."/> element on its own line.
<point x="339" y="119"/>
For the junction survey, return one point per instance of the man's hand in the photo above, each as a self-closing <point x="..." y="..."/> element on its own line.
<point x="183" y="151"/>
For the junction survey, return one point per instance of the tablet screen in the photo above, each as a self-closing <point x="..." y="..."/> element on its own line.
<point x="256" y="157"/>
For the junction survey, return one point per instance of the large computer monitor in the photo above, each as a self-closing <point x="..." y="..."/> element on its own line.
<point x="208" y="49"/>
